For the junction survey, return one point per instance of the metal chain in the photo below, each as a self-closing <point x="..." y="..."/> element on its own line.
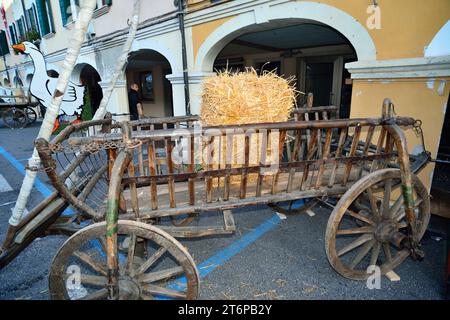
<point x="417" y="126"/>
<point x="95" y="147"/>
<point x="91" y="148"/>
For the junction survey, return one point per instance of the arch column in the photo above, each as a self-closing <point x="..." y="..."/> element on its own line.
<point x="195" y="90"/>
<point x="177" y="82"/>
<point x="118" y="103"/>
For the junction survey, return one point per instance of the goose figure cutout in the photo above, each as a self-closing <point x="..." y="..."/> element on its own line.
<point x="42" y="86"/>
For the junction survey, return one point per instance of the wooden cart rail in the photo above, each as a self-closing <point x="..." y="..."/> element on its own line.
<point x="316" y="168"/>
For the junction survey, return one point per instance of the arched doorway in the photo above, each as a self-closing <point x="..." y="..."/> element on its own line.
<point x="148" y="69"/>
<point x="28" y="79"/>
<point x="311" y="41"/>
<point x="312" y="53"/>
<point x="87" y="75"/>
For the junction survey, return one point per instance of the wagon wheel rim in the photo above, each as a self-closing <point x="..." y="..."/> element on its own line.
<point x="351" y="250"/>
<point x="183" y="221"/>
<point x="31" y="115"/>
<point x="15" y="118"/>
<point x="152" y="265"/>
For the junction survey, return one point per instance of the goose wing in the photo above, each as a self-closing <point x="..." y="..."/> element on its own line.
<point x="74" y="92"/>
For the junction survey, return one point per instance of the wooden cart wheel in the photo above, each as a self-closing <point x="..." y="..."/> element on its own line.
<point x="15" y="118"/>
<point x="289" y="211"/>
<point x="149" y="258"/>
<point x="31" y="114"/>
<point x="351" y="248"/>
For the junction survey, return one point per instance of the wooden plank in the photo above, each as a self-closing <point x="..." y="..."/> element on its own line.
<point x="210" y="166"/>
<point x="244" y="176"/>
<point x="228" y="220"/>
<point x="342" y="138"/>
<point x="379" y="147"/>
<point x="392" y="276"/>
<point x="354" y="146"/>
<point x="367" y="145"/>
<point x="310" y="154"/>
<point x="263" y="134"/>
<point x="326" y="153"/>
<point x="152" y="170"/>
<point x="171" y="184"/>
<point x="133" y="190"/>
<point x="228" y="161"/>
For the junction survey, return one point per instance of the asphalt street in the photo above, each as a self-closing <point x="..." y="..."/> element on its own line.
<point x="267" y="258"/>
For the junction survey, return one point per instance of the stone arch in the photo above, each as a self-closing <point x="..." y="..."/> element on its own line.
<point x="328" y="15"/>
<point x="157" y="46"/>
<point x="440" y="46"/>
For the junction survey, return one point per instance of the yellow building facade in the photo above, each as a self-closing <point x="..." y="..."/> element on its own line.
<point x="399" y="49"/>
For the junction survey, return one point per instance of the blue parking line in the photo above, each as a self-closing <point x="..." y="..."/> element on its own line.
<point x="226" y="254"/>
<point x="42" y="188"/>
<point x="38" y="184"/>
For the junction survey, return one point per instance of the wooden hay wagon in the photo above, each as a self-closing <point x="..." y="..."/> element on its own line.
<point x="134" y="178"/>
<point x="18" y="111"/>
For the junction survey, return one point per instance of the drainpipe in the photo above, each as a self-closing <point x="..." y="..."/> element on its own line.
<point x="180" y="4"/>
<point x="25" y="16"/>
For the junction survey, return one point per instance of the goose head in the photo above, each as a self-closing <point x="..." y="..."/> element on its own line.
<point x="25" y="47"/>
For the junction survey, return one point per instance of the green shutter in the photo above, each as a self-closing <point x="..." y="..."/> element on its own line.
<point x="108" y="2"/>
<point x="3" y="43"/>
<point x="64" y="5"/>
<point x="42" y="16"/>
<point x="51" y="23"/>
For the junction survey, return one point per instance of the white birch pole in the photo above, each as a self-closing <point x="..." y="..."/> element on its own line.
<point x="120" y="65"/>
<point x="73" y="51"/>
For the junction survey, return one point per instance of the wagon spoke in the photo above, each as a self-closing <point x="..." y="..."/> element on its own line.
<point x="355" y="231"/>
<point x="373" y="203"/>
<point x="360" y="217"/>
<point x="363" y="251"/>
<point x="102" y="241"/>
<point x="131" y="251"/>
<point x="375" y="253"/>
<point x="150" y="261"/>
<point x="157" y="290"/>
<point x="160" y="275"/>
<point x="89" y="261"/>
<point x="97" y="295"/>
<point x="396" y="207"/>
<point x="355" y="244"/>
<point x="386" y="198"/>
<point x="97" y="281"/>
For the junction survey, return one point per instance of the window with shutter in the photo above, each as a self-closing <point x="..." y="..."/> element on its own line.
<point x="66" y="11"/>
<point x="4" y="48"/>
<point x="34" y="22"/>
<point x="12" y="35"/>
<point x="45" y="16"/>
<point x="21" y="29"/>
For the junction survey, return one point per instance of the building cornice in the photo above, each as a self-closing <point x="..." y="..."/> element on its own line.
<point x="401" y="68"/>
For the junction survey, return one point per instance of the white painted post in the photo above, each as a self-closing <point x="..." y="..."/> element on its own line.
<point x="121" y="62"/>
<point x="45" y="132"/>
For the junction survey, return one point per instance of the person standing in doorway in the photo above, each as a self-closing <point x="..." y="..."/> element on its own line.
<point x="134" y="100"/>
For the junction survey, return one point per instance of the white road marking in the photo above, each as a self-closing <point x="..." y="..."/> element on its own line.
<point x="4" y="185"/>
